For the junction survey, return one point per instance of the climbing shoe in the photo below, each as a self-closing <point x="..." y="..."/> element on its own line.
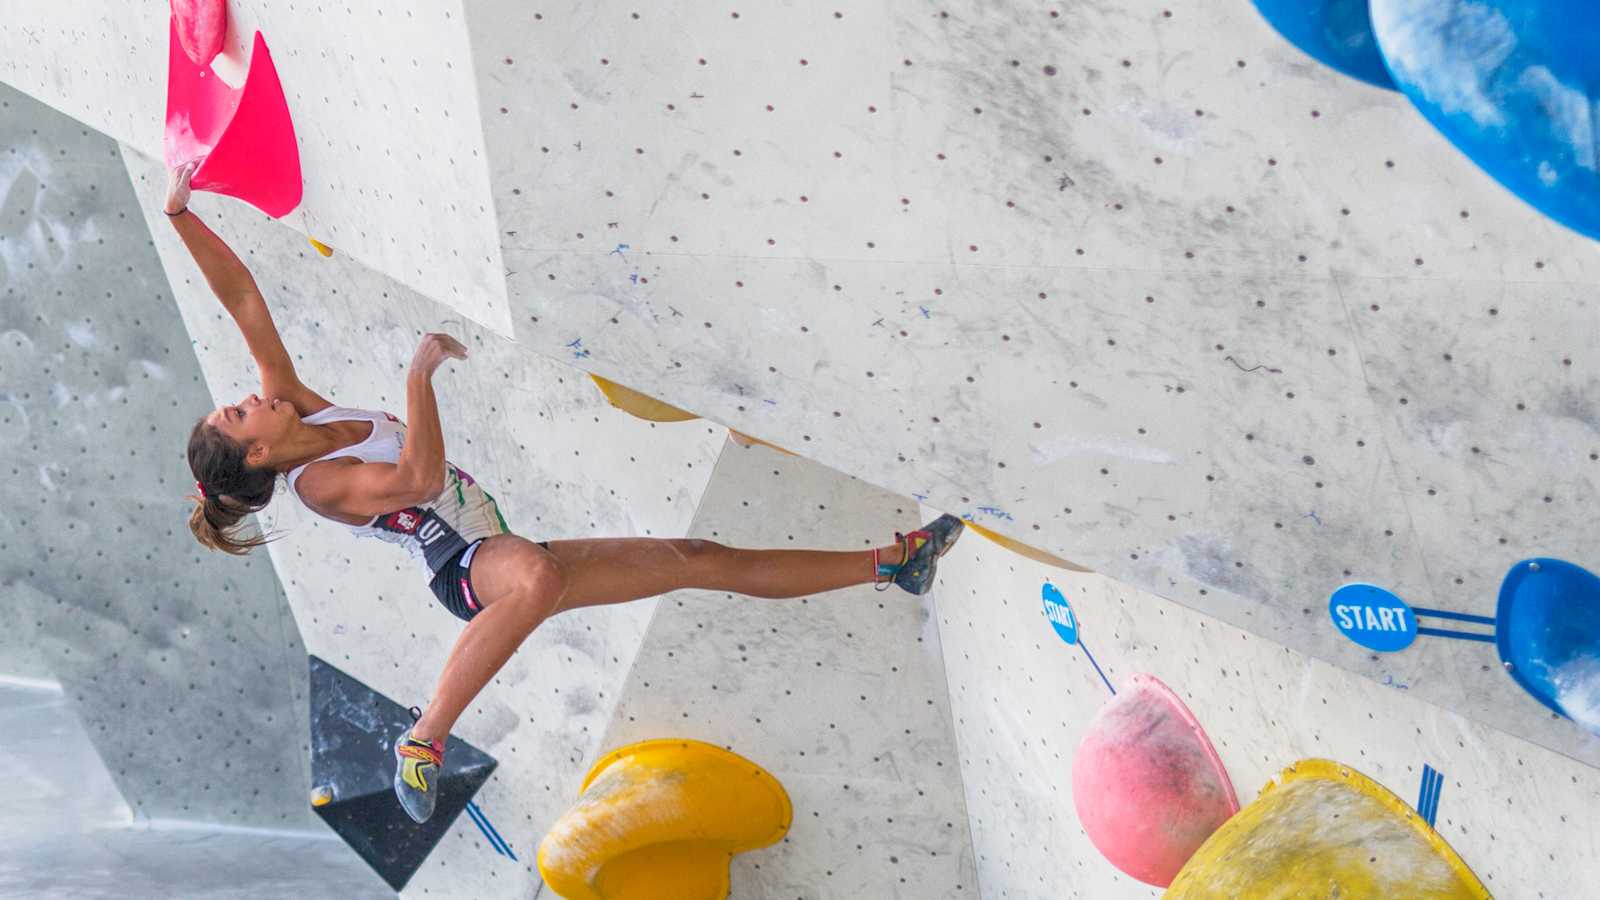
<point x="418" y="765"/>
<point x="922" y="549"/>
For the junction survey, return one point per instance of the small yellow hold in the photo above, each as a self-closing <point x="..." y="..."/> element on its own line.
<point x="640" y="405"/>
<point x="745" y="440"/>
<point x="322" y="248"/>
<point x="661" y="820"/>
<point x="321" y="795"/>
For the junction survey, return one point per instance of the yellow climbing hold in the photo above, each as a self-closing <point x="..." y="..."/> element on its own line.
<point x="322" y="248"/>
<point x="660" y="820"/>
<point x="745" y="440"/>
<point x="1021" y="549"/>
<point x="640" y="405"/>
<point x="1323" y="830"/>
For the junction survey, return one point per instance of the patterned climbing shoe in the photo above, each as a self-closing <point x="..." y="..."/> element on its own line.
<point x="922" y="550"/>
<point x="418" y="765"/>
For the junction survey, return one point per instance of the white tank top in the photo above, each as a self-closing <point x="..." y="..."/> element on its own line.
<point x="432" y="532"/>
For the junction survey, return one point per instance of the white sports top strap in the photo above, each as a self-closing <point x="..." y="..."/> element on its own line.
<point x="373" y="449"/>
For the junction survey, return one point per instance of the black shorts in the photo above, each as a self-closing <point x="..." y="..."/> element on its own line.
<point x="453" y="584"/>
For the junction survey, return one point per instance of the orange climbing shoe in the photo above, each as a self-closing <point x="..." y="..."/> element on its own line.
<point x="921" y="557"/>
<point x="418" y="765"/>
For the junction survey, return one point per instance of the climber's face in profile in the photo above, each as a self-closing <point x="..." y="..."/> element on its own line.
<point x="256" y="424"/>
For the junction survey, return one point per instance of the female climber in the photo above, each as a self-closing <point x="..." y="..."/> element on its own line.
<point x="382" y="479"/>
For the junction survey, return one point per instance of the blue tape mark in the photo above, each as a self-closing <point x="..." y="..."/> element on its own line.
<point x="489" y="832"/>
<point x="1438" y="789"/>
<point x="497" y="837"/>
<point x="1096" y="666"/>
<point x="1459" y="617"/>
<point x="477" y="819"/>
<point x="1428" y="800"/>
<point x="1422" y="794"/>
<point x="1458" y="635"/>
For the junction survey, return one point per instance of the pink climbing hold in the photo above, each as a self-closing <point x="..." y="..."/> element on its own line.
<point x="201" y="26"/>
<point x="244" y="135"/>
<point x="1147" y="783"/>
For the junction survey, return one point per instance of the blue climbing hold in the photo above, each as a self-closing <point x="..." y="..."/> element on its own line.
<point x="1337" y="33"/>
<point x="1548" y="633"/>
<point x="1514" y="84"/>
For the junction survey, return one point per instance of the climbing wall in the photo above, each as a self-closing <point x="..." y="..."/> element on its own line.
<point x="840" y="696"/>
<point x="1022" y="700"/>
<point x="1141" y="284"/>
<point x="1138" y="284"/>
<point x="106" y="588"/>
<point x="1133" y="282"/>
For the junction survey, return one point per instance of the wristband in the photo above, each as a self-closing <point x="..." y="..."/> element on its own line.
<point x="178" y="213"/>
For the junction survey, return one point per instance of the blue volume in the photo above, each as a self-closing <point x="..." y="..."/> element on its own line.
<point x="1337" y="33"/>
<point x="1513" y="84"/>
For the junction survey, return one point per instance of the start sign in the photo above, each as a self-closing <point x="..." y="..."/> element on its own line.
<point x="1057" y="610"/>
<point x="1373" y="617"/>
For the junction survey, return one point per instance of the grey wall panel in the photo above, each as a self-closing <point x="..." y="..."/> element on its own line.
<point x="187" y="671"/>
<point x="67" y="789"/>
<point x="841" y="696"/>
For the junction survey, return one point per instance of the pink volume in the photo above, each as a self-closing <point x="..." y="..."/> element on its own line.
<point x="1148" y="786"/>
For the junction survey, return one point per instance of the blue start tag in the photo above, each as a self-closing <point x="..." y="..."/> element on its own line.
<point x="1057" y="610"/>
<point x="1373" y="617"/>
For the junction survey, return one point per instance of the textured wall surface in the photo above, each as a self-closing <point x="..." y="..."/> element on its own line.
<point x="1135" y="283"/>
<point x="1518" y="814"/>
<point x="1141" y="284"/>
<point x="154" y="639"/>
<point x="840" y="696"/>
<point x="1139" y="281"/>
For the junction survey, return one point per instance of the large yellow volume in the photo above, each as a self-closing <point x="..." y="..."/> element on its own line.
<point x="1321" y="831"/>
<point x="661" y="820"/>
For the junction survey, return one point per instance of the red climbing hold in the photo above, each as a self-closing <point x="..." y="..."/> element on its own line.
<point x="244" y="135"/>
<point x="201" y="25"/>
